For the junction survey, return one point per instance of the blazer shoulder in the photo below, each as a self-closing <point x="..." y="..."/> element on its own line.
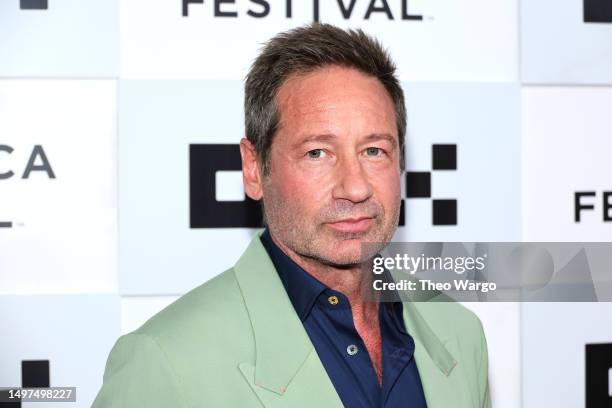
<point x="216" y="305"/>
<point x="452" y="319"/>
<point x="188" y="351"/>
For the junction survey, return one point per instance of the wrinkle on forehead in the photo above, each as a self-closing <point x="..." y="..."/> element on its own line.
<point x="325" y="95"/>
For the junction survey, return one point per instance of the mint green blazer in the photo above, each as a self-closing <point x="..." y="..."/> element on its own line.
<point x="236" y="341"/>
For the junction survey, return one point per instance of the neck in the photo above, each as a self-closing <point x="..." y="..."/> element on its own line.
<point x="347" y="279"/>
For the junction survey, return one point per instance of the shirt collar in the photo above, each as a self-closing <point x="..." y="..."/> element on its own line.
<point x="302" y="288"/>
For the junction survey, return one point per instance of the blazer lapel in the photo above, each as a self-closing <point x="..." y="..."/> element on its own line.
<point x="434" y="362"/>
<point x="310" y="387"/>
<point x="287" y="370"/>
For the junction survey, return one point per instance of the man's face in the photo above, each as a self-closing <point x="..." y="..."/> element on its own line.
<point x="335" y="180"/>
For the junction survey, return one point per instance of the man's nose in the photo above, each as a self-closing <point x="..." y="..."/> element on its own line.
<point x="352" y="181"/>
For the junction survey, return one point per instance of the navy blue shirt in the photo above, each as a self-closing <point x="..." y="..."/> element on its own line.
<point x="327" y="318"/>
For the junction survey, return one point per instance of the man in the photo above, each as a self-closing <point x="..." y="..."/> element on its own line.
<point x="289" y="325"/>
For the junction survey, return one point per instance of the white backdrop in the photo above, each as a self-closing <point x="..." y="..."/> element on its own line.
<point x="116" y="92"/>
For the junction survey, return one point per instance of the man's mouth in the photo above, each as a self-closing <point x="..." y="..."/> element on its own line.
<point x="352" y="225"/>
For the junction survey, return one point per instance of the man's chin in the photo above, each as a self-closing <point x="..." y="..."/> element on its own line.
<point x="348" y="251"/>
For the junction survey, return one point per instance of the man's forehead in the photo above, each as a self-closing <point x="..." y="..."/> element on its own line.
<point x="319" y="79"/>
<point x="319" y="92"/>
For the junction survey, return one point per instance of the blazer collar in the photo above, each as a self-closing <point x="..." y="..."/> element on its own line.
<point x="418" y="328"/>
<point x="281" y="342"/>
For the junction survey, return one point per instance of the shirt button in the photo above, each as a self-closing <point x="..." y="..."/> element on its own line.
<point x="352" y="350"/>
<point x="333" y="300"/>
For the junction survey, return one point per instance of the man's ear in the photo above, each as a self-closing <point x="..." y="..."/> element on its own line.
<point x="251" y="178"/>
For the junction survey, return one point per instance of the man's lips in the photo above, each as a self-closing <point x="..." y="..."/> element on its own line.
<point x="359" y="224"/>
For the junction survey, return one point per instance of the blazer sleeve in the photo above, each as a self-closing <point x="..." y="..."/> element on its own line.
<point x="138" y="374"/>
<point x="483" y="373"/>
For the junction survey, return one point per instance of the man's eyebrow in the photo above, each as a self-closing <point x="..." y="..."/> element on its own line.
<point x="327" y="137"/>
<point x="382" y="136"/>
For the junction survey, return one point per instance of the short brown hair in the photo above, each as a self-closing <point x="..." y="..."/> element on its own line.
<point x="302" y="50"/>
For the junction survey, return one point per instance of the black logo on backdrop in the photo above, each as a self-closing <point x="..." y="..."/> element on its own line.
<point x="34" y="374"/>
<point x="390" y="9"/>
<point x="598" y="11"/>
<point x="418" y="184"/>
<point x="37" y="155"/>
<point x="588" y="200"/>
<point x="598" y="359"/>
<point x="33" y="4"/>
<point x="206" y="212"/>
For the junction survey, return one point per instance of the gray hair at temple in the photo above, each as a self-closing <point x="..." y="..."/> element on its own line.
<point x="302" y="50"/>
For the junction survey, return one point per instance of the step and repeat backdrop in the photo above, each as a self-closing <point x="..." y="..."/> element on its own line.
<point x="119" y="131"/>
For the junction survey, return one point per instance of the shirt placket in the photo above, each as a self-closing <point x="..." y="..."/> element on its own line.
<point x="351" y="346"/>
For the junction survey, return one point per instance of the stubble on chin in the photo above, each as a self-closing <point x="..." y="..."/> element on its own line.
<point x="312" y="238"/>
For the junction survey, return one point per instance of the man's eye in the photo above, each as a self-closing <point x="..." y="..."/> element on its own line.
<point x="373" y="151"/>
<point x="316" y="153"/>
